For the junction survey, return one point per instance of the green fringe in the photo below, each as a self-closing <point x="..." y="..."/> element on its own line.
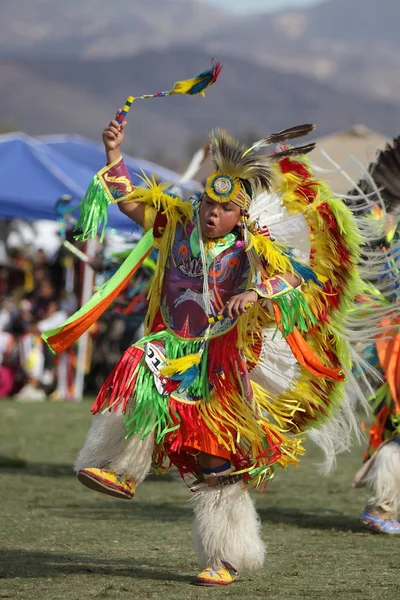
<point x="93" y="212"/>
<point x="150" y="408"/>
<point x="381" y="396"/>
<point x="295" y="312"/>
<point x="259" y="476"/>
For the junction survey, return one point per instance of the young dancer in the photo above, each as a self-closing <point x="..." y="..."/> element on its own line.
<point x="244" y="347"/>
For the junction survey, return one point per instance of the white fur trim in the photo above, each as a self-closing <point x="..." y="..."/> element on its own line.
<point x="106" y="447"/>
<point x="227" y="527"/>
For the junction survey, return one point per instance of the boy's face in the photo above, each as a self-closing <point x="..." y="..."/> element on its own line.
<point x="217" y="218"/>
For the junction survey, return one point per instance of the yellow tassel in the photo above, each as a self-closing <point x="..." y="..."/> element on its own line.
<point x="183" y="87"/>
<point x="180" y="365"/>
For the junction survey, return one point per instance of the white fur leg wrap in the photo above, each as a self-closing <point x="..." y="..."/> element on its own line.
<point x="227" y="527"/>
<point x="384" y="477"/>
<point x="106" y="447"/>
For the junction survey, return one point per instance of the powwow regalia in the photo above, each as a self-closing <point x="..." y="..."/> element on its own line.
<point x="244" y="389"/>
<point x="376" y="201"/>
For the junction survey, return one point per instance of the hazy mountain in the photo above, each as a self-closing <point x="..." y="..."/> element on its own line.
<point x="355" y="21"/>
<point x="67" y="95"/>
<point x="352" y="45"/>
<point x="100" y="28"/>
<point x="67" y="65"/>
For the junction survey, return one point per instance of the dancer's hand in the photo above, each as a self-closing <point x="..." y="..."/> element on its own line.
<point x="113" y="136"/>
<point x="238" y="305"/>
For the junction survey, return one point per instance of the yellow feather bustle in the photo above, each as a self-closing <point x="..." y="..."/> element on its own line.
<point x="271" y="254"/>
<point x="318" y="402"/>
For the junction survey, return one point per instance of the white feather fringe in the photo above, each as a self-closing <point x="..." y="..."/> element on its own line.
<point x="340" y="432"/>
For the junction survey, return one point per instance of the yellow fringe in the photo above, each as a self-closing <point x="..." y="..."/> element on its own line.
<point x="232" y="422"/>
<point x="271" y="253"/>
<point x="177" y="212"/>
<point x="153" y="195"/>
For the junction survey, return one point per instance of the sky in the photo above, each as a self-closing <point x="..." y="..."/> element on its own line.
<point x="248" y="6"/>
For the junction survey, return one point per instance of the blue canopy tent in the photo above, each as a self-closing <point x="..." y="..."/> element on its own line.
<point x="91" y="155"/>
<point x="33" y="176"/>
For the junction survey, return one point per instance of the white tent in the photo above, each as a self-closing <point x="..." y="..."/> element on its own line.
<point x="345" y="149"/>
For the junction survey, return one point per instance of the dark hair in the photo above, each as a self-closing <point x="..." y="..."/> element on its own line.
<point x="237" y="230"/>
<point x="247" y="187"/>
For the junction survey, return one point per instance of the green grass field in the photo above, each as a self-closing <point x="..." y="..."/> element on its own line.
<point x="61" y="540"/>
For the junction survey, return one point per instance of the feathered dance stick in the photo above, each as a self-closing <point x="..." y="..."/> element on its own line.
<point x="93" y="207"/>
<point x="197" y="85"/>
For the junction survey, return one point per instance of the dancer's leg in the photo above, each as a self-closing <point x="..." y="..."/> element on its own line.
<point x="382" y="475"/>
<point x="227" y="528"/>
<point x="110" y="463"/>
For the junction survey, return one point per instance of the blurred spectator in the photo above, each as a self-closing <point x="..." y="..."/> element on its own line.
<point x="37" y="295"/>
<point x="40" y="258"/>
<point x="40" y="311"/>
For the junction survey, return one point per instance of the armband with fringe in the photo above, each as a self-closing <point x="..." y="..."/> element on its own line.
<point x="109" y="186"/>
<point x="291" y="301"/>
<point x="112" y="185"/>
<point x="272" y="287"/>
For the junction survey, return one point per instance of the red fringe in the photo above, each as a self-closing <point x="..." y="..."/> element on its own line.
<point x="217" y="68"/>
<point x="119" y="385"/>
<point x="221" y="361"/>
<point x="190" y="425"/>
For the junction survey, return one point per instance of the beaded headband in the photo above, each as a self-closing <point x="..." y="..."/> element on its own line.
<point x="222" y="188"/>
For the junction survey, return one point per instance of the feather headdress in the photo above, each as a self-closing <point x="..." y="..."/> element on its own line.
<point x="236" y="164"/>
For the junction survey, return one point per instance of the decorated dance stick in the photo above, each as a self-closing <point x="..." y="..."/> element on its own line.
<point x="217" y="318"/>
<point x="128" y="103"/>
<point x="197" y="85"/>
